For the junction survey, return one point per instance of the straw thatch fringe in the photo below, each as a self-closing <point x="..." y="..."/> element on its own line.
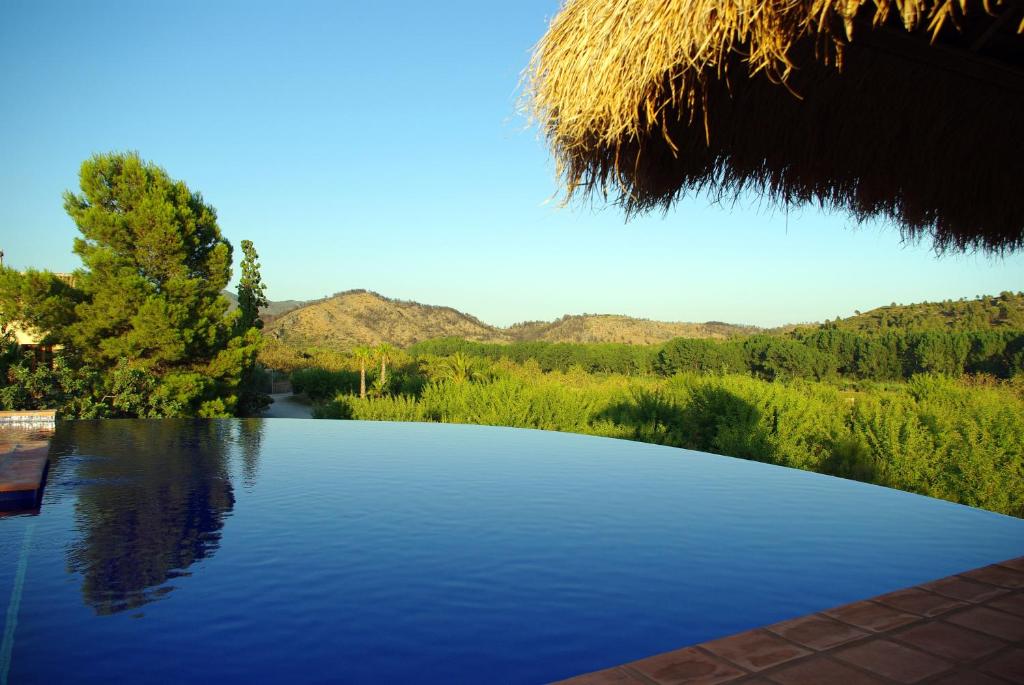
<point x="854" y="105"/>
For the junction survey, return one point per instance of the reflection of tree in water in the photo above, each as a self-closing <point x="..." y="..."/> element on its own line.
<point x="151" y="502"/>
<point x="249" y="437"/>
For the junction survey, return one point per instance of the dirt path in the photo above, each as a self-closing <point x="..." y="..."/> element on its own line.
<point x="288" y="406"/>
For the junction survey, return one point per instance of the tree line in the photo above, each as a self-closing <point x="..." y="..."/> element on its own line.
<point x="818" y="354"/>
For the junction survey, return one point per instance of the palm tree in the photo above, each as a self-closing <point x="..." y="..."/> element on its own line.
<point x="459" y="368"/>
<point x="363" y="355"/>
<point x="385" y="352"/>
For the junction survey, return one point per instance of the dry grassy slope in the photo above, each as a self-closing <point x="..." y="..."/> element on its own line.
<point x="361" y="317"/>
<point x="614" y="328"/>
<point x="365" y="318"/>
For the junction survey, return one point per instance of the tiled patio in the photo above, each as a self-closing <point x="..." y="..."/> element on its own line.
<point x="967" y="629"/>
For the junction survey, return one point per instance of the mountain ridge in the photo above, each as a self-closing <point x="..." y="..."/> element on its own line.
<point x="362" y="317"/>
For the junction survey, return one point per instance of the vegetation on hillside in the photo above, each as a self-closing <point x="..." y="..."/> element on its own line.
<point x="1001" y="312"/>
<point x="360" y="317"/>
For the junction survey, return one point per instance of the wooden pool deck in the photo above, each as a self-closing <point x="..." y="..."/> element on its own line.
<point x="24" y="455"/>
<point x="967" y="629"/>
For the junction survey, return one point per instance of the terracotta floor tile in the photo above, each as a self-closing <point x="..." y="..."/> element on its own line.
<point x="1012" y="603"/>
<point x="686" y="666"/>
<point x="1017" y="563"/>
<point x="822" y="670"/>
<point x="997" y="575"/>
<point x="888" y="659"/>
<point x="817" y="631"/>
<point x="871" y="616"/>
<point x="1009" y="666"/>
<point x="990" y="621"/>
<point x="755" y="650"/>
<point x="610" y="676"/>
<point x="921" y="602"/>
<point x="952" y="631"/>
<point x="949" y="641"/>
<point x="961" y="588"/>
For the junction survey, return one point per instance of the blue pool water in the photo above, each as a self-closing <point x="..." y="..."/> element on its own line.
<point x="328" y="551"/>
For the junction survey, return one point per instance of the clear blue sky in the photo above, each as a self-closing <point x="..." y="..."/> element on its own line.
<point x="377" y="145"/>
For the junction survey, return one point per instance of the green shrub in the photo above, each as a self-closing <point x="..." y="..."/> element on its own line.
<point x="321" y="385"/>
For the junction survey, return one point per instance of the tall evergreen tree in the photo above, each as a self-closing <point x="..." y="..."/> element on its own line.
<point x="155" y="264"/>
<point x="251" y="290"/>
<point x="251" y="298"/>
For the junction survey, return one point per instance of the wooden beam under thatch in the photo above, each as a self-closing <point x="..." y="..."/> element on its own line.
<point x="910" y="110"/>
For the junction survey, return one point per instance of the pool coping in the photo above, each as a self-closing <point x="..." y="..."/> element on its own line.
<point x="24" y="460"/>
<point x="31" y="418"/>
<point x="965" y="628"/>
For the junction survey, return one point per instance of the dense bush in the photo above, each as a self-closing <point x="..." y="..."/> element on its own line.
<point x="81" y="392"/>
<point x="700" y="355"/>
<point x="276" y="355"/>
<point x="594" y="358"/>
<point x="321" y="384"/>
<point x="892" y="355"/>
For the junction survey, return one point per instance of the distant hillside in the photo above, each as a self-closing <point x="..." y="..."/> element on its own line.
<point x="361" y="317"/>
<point x="273" y="309"/>
<point x="1004" y="311"/>
<point x="614" y="328"/>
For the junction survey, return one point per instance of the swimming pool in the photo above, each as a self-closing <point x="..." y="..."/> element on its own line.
<point x="336" y="551"/>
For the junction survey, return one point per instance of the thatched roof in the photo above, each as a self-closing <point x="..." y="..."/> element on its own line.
<point x="911" y="110"/>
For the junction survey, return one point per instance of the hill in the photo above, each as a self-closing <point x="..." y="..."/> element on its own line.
<point x="1005" y="311"/>
<point x="361" y="317"/>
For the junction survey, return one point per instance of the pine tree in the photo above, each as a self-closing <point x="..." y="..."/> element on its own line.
<point x="154" y="266"/>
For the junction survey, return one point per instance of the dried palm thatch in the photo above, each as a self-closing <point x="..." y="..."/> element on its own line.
<point x="911" y="110"/>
